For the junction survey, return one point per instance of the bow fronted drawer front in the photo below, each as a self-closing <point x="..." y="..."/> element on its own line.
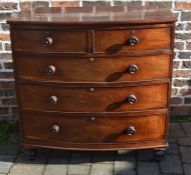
<point x="93" y="69"/>
<point x="91" y="129"/>
<point x="93" y="99"/>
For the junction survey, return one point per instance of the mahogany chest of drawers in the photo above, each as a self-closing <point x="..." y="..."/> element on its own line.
<point x="93" y="78"/>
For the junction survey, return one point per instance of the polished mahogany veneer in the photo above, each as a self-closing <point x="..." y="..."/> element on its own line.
<point x="93" y="69"/>
<point x="95" y="78"/>
<point x="101" y="129"/>
<point x="93" y="99"/>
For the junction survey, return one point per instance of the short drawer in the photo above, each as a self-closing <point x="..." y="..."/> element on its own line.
<point x="95" y="129"/>
<point x="83" y="99"/>
<point x="49" y="41"/>
<point x="112" y="41"/>
<point x="116" y="69"/>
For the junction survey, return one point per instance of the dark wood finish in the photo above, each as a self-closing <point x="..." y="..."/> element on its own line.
<point x="92" y="69"/>
<point x="92" y="99"/>
<point x="94" y="130"/>
<point x="93" y="81"/>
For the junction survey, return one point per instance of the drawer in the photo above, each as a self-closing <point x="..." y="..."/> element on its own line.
<point x="100" y="99"/>
<point x="48" y="68"/>
<point x="113" y="41"/>
<point x="49" y="41"/>
<point x="95" y="129"/>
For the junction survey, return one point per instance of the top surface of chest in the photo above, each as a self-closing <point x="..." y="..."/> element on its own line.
<point x="93" y="15"/>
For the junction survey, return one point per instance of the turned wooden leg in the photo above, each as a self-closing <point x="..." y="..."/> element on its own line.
<point x="159" y="153"/>
<point x="30" y="154"/>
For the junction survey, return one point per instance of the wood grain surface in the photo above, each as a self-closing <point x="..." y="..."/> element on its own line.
<point x="98" y="130"/>
<point x="92" y="99"/>
<point x="92" y="69"/>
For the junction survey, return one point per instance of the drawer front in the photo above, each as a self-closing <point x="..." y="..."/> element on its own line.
<point x="84" y="99"/>
<point x="47" y="68"/>
<point x="49" y="41"/>
<point x="129" y="40"/>
<point x="95" y="129"/>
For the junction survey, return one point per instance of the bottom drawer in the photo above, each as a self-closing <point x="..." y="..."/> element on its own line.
<point x="74" y="129"/>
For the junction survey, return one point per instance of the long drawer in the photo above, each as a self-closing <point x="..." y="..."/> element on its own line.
<point x="94" y="99"/>
<point x="111" y="69"/>
<point x="90" y="129"/>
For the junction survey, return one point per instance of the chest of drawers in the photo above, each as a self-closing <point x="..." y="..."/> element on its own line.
<point x="93" y="78"/>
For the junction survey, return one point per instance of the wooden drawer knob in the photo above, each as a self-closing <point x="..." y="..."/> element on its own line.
<point x="55" y="129"/>
<point x="47" y="41"/>
<point x="132" y="69"/>
<point x="53" y="99"/>
<point x="51" y="70"/>
<point x="131" y="130"/>
<point x="92" y="118"/>
<point x="132" y="41"/>
<point x="131" y="99"/>
<point x="91" y="59"/>
<point x="91" y="89"/>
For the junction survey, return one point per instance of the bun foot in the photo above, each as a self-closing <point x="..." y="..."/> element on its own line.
<point x="159" y="154"/>
<point x="30" y="154"/>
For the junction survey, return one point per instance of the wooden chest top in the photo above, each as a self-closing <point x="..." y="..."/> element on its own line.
<point x="93" y="15"/>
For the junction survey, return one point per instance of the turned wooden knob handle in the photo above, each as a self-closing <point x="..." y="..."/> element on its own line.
<point x="47" y="41"/>
<point x="55" y="129"/>
<point x="132" y="41"/>
<point x="132" y="69"/>
<point x="131" y="99"/>
<point x="131" y="130"/>
<point x="51" y="70"/>
<point x="92" y="118"/>
<point x="53" y="99"/>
